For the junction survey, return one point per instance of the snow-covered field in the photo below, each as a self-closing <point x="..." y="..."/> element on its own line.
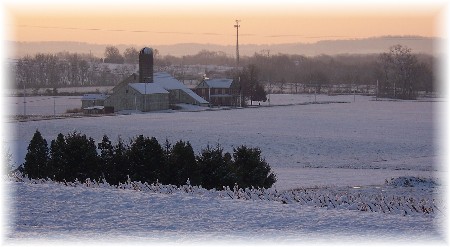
<point x="41" y="105"/>
<point x="360" y="143"/>
<point x="49" y="105"/>
<point x="357" y="143"/>
<point x="59" y="213"/>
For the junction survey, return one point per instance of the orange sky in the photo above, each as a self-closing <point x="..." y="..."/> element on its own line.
<point x="203" y="22"/>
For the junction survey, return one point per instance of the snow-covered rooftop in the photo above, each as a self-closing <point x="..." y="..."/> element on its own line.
<point x="167" y="81"/>
<point x="219" y="83"/>
<point x="162" y="82"/>
<point x="148" y="88"/>
<point x="94" y="97"/>
<point x="98" y="107"/>
<point x="195" y="96"/>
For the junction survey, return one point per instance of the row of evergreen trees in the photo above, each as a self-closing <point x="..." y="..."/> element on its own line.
<point x="76" y="156"/>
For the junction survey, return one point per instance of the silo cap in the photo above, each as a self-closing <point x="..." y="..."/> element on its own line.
<point x="147" y="50"/>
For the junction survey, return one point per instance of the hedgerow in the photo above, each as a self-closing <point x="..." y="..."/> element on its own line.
<point x="75" y="156"/>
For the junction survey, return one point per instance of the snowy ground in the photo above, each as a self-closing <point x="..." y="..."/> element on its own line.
<point x="59" y="213"/>
<point x="49" y="105"/>
<point x="359" y="143"/>
<point x="41" y="105"/>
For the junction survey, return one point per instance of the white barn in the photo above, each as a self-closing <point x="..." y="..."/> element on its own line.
<point x="157" y="91"/>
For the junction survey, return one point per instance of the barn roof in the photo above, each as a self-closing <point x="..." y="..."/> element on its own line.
<point x="162" y="83"/>
<point x="94" y="97"/>
<point x="148" y="88"/>
<point x="195" y="96"/>
<point x="166" y="81"/>
<point x="219" y="83"/>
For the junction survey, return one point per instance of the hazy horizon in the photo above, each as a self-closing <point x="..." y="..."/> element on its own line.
<point x="405" y="37"/>
<point x="418" y="44"/>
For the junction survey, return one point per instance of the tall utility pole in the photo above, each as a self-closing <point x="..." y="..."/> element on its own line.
<point x="237" y="42"/>
<point x="24" y="101"/>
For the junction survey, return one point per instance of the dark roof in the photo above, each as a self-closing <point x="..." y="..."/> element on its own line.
<point x="146" y="50"/>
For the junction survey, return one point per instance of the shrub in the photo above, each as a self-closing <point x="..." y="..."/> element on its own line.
<point x="74" y="110"/>
<point x="251" y="169"/>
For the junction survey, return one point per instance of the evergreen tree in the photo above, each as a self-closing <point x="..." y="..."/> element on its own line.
<point x="166" y="174"/>
<point x="259" y="93"/>
<point x="36" y="159"/>
<point x="146" y="158"/>
<point x="113" y="161"/>
<point x="250" y="84"/>
<point x="182" y="165"/>
<point x="75" y="157"/>
<point x="81" y="157"/>
<point x="58" y="163"/>
<point x="183" y="160"/>
<point x="121" y="162"/>
<point x="216" y="168"/>
<point x="251" y="169"/>
<point x="106" y="160"/>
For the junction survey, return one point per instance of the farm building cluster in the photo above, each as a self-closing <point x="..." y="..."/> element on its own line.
<point x="147" y="90"/>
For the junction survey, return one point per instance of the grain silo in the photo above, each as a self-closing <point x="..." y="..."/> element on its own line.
<point x="146" y="65"/>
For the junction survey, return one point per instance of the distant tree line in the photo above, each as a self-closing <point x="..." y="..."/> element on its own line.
<point x="409" y="72"/>
<point x="130" y="55"/>
<point x="203" y="57"/>
<point x="399" y="72"/>
<point x="67" y="70"/>
<point x="77" y="157"/>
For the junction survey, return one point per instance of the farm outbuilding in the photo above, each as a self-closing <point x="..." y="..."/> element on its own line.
<point x="149" y="91"/>
<point x="139" y="97"/>
<point x="93" y="103"/>
<point x="219" y="92"/>
<point x="178" y="92"/>
<point x="89" y="100"/>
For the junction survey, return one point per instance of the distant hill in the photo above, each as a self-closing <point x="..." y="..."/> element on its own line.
<point x="418" y="44"/>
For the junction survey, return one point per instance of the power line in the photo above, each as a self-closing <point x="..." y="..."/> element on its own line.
<point x="389" y="37"/>
<point x="118" y="30"/>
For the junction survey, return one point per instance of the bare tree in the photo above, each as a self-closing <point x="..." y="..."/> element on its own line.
<point x="112" y="55"/>
<point x="400" y="68"/>
<point x="250" y="86"/>
<point x="131" y="55"/>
